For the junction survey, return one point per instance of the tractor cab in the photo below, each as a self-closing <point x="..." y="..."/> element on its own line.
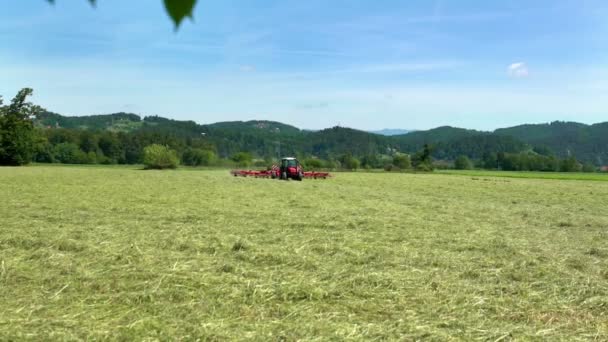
<point x="291" y="169"/>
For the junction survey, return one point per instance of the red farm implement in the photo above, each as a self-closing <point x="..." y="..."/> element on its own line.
<point x="290" y="168"/>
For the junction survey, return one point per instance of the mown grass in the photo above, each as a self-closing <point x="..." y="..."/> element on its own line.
<point x="586" y="176"/>
<point x="113" y="253"/>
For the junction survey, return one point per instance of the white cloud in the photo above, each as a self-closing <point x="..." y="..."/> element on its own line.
<point x="518" y="70"/>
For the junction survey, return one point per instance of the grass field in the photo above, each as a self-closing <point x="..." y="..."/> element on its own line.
<point x="536" y="175"/>
<point x="119" y="253"/>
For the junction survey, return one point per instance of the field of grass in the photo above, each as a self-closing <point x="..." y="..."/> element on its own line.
<point x="536" y="175"/>
<point x="119" y="253"/>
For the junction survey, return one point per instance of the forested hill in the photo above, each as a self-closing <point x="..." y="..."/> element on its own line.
<point x="586" y="142"/>
<point x="589" y="143"/>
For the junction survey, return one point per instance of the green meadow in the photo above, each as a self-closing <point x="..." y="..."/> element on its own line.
<point x="118" y="253"/>
<point x="587" y="176"/>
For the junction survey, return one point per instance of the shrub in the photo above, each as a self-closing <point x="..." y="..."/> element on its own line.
<point x="463" y="163"/>
<point x="69" y="153"/>
<point x="422" y="160"/>
<point x="349" y="162"/>
<point x="391" y="167"/>
<point x="332" y="164"/>
<point x="44" y="154"/>
<point x="371" y="161"/>
<point x="425" y="167"/>
<point x="570" y="164"/>
<point x="242" y="159"/>
<point x="260" y="163"/>
<point x="160" y="157"/>
<point x="402" y="161"/>
<point x="313" y="163"/>
<point x="198" y="157"/>
<point x="589" y="168"/>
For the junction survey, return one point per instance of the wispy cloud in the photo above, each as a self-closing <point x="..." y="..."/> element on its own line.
<point x="518" y="70"/>
<point x="368" y="70"/>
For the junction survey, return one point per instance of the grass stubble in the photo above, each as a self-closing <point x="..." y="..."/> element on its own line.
<point x="117" y="253"/>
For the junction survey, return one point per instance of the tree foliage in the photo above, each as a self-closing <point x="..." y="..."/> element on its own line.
<point x="121" y="137"/>
<point x="177" y="10"/>
<point x="463" y="163"/>
<point x="349" y="162"/>
<point x="242" y="159"/>
<point x="198" y="157"/>
<point x="402" y="161"/>
<point x="17" y="130"/>
<point x="160" y="157"/>
<point x="423" y="160"/>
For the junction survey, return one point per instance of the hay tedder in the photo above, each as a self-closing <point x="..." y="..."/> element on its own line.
<point x="290" y="168"/>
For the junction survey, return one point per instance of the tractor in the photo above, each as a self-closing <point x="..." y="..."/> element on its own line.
<point x="290" y="169"/>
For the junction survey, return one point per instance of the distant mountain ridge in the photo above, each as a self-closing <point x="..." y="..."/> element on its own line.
<point x="392" y="131"/>
<point x="589" y="143"/>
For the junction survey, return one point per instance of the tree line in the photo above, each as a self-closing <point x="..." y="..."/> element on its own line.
<point x="28" y="133"/>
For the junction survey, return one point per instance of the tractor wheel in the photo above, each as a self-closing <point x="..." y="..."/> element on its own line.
<point x="300" y="176"/>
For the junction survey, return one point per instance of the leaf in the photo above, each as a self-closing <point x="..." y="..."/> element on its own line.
<point x="179" y="9"/>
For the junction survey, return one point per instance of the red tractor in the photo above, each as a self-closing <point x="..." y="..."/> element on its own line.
<point x="290" y="169"/>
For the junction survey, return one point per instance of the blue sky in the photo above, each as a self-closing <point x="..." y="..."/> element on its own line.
<point x="316" y="63"/>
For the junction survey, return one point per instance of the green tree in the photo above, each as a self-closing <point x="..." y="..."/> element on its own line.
<point x="43" y="151"/>
<point x="370" y="161"/>
<point x="88" y="141"/>
<point x="570" y="164"/>
<point x="587" y="167"/>
<point x="463" y="163"/>
<point x="160" y="157"/>
<point x="17" y="143"/>
<point x="422" y="159"/>
<point x="198" y="157"/>
<point x="490" y="160"/>
<point x="69" y="153"/>
<point x="111" y="147"/>
<point x="242" y="159"/>
<point x="313" y="163"/>
<point x="349" y="162"/>
<point x="402" y="161"/>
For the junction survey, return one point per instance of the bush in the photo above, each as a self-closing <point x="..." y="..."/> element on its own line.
<point x="589" y="168"/>
<point x="402" y="161"/>
<point x="198" y="157"/>
<point x="260" y="163"/>
<point x="69" y="153"/>
<point x="391" y="168"/>
<point x="44" y="154"/>
<point x="242" y="159"/>
<point x="313" y="163"/>
<point x="371" y="161"/>
<point x="425" y="167"/>
<point x="349" y="162"/>
<point x="160" y="157"/>
<point x="332" y="164"/>
<point x="570" y="164"/>
<point x="463" y="163"/>
<point x="422" y="160"/>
